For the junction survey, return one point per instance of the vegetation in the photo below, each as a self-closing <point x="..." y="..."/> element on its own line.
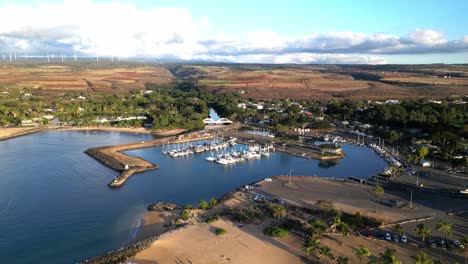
<point x="275" y="231"/>
<point x="220" y="231"/>
<point x="277" y="210"/>
<point x="444" y="227"/>
<point x="421" y="258"/>
<point x="423" y="231"/>
<point x="212" y="219"/>
<point x="388" y="257"/>
<point x="175" y="105"/>
<point x="379" y="193"/>
<point x="203" y="205"/>
<point x="362" y="253"/>
<point x="398" y="229"/>
<point x="185" y="214"/>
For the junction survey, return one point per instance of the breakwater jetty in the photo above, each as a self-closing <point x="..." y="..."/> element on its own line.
<point x="114" y="158"/>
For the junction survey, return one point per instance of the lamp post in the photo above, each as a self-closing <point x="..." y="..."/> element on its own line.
<point x="290" y="171"/>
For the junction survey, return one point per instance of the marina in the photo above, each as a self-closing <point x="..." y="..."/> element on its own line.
<point x="70" y="195"/>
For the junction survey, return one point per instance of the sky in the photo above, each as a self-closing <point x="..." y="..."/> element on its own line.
<point x="242" y="31"/>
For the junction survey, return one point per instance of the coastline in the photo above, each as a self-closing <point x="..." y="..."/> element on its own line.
<point x="8" y="133"/>
<point x="166" y="243"/>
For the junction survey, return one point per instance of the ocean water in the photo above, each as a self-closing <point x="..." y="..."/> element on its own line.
<point x="55" y="205"/>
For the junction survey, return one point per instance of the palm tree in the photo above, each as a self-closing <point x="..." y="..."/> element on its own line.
<point x="335" y="223"/>
<point x="343" y="228"/>
<point x="388" y="257"/>
<point x="421" y="258"/>
<point x="278" y="211"/>
<point x="444" y="227"/>
<point x="342" y="260"/>
<point x="464" y="242"/>
<point x="317" y="228"/>
<point x="362" y="253"/>
<point x="312" y="246"/>
<point x="379" y="193"/>
<point x="423" y="231"/>
<point x="326" y="252"/>
<point x="398" y="229"/>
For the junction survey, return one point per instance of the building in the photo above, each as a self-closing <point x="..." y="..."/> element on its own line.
<point x="221" y="121"/>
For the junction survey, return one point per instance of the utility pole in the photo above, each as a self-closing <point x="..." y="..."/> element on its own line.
<point x="417" y="179"/>
<point x="411" y="200"/>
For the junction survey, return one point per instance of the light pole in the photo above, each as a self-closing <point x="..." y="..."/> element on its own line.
<point x="411" y="200"/>
<point x="290" y="171"/>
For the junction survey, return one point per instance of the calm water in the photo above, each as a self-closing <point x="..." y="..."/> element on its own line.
<point x="55" y="204"/>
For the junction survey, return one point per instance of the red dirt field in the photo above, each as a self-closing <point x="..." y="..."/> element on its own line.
<point x="63" y="78"/>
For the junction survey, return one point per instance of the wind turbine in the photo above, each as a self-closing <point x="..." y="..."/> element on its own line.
<point x="10" y="57"/>
<point x="75" y="57"/>
<point x="48" y="57"/>
<point x="3" y="56"/>
<point x="15" y="55"/>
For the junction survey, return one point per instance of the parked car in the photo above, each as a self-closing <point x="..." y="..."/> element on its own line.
<point x="388" y="237"/>
<point x="431" y="243"/>
<point x="442" y="244"/>
<point x="395" y="237"/>
<point x="404" y="239"/>
<point x="458" y="244"/>
<point x="382" y="236"/>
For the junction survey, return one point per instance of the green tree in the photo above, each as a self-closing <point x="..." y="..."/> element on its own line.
<point x="388" y="257"/>
<point x="379" y="193"/>
<point x="336" y="222"/>
<point x="421" y="258"/>
<point x="444" y="227"/>
<point x="398" y="229"/>
<point x="326" y="253"/>
<point x="464" y="242"/>
<point x="362" y="253"/>
<point x="213" y="202"/>
<point x="277" y="210"/>
<point x="203" y="205"/>
<point x="317" y="228"/>
<point x="422" y="152"/>
<point x="423" y="231"/>
<point x="185" y="214"/>
<point x="342" y="260"/>
<point x="312" y="246"/>
<point x="343" y="228"/>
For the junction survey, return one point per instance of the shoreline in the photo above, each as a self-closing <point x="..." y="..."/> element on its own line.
<point x="356" y="198"/>
<point x="130" y="251"/>
<point x="23" y="131"/>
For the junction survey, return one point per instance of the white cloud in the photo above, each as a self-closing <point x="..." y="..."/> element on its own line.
<point x="89" y="28"/>
<point x="427" y="37"/>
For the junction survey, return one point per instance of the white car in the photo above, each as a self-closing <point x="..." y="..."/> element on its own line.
<point x="458" y="244"/>
<point x="268" y="179"/>
<point x="388" y="237"/>
<point x="404" y="239"/>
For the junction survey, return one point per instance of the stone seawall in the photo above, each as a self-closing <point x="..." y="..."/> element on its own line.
<point x="114" y="158"/>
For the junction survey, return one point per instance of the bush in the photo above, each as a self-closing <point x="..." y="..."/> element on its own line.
<point x="185" y="214"/>
<point x="220" y="231"/>
<point x="203" y="205"/>
<point x="212" y="219"/>
<point x="275" y="231"/>
<point x="277" y="210"/>
<point x="213" y="202"/>
<point x="188" y="207"/>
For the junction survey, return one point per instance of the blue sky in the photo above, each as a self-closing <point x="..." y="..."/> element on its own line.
<point x="290" y="31"/>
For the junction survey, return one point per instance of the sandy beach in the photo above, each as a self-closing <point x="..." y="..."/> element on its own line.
<point x="198" y="243"/>
<point x="7" y="133"/>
